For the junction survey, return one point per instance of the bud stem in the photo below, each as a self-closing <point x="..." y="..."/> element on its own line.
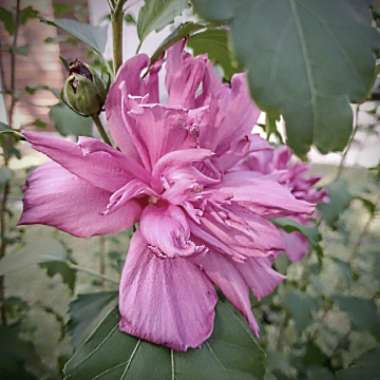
<point x="117" y="34"/>
<point x="101" y="129"/>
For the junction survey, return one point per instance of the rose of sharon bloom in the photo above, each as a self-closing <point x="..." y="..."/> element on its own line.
<point x="277" y="162"/>
<point x="182" y="171"/>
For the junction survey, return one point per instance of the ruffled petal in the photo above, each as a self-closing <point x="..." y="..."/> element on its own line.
<point x="166" y="230"/>
<point x="264" y="192"/>
<point x="185" y="74"/>
<point x="165" y="301"/>
<point x="223" y="273"/>
<point x="129" y="77"/>
<point x="90" y="159"/>
<point x="261" y="278"/>
<point x="55" y="197"/>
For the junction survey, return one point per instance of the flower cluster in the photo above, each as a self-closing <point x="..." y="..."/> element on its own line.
<point x="201" y="187"/>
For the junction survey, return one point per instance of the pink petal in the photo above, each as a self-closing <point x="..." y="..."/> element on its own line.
<point x="165" y="301"/>
<point x="166" y="230"/>
<point x="263" y="191"/>
<point x="157" y="130"/>
<point x="129" y="75"/>
<point x="184" y="75"/>
<point x="91" y="160"/>
<point x="133" y="189"/>
<point x="228" y="279"/>
<point x="296" y="245"/>
<point x="260" y="276"/>
<point x="55" y="197"/>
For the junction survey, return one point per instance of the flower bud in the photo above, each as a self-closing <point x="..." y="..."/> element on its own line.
<point x="84" y="91"/>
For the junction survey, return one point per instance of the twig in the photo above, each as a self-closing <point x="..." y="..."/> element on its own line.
<point x="344" y="155"/>
<point x="7" y="186"/>
<point x="91" y="272"/>
<point x="101" y="130"/>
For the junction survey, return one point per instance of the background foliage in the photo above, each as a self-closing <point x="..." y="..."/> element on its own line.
<point x="307" y="61"/>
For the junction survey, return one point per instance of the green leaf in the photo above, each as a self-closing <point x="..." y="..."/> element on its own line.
<point x="107" y="353"/>
<point x="367" y="203"/>
<point x="180" y="32"/>
<point x="366" y="368"/>
<point x="86" y="312"/>
<point x="14" y="354"/>
<point x="340" y="199"/>
<point x="93" y="36"/>
<point x="215" y="43"/>
<point x="27" y="14"/>
<point x="301" y="306"/>
<point x="67" y="122"/>
<point x="362" y="312"/>
<point x="320" y="52"/>
<point x="67" y="274"/>
<point x="6" y="17"/>
<point x="156" y="14"/>
<point x="35" y="252"/>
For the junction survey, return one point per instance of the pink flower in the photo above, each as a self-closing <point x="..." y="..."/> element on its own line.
<point x="204" y="219"/>
<point x="268" y="160"/>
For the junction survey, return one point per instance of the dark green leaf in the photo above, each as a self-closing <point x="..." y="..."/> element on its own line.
<point x="366" y="368"/>
<point x="320" y="52"/>
<point x="182" y="31"/>
<point x="362" y="312"/>
<point x="230" y="354"/>
<point x="67" y="274"/>
<point x="14" y="354"/>
<point x="36" y="252"/>
<point x="301" y="306"/>
<point x="340" y="199"/>
<point x="6" y="17"/>
<point x="86" y="312"/>
<point x="67" y="122"/>
<point x="215" y="43"/>
<point x="27" y="14"/>
<point x="93" y="36"/>
<point x="156" y="14"/>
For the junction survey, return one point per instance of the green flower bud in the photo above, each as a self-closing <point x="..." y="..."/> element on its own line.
<point x="84" y="91"/>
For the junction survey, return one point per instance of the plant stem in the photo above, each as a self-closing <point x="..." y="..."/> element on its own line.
<point x="102" y="256"/>
<point x="13" y="66"/>
<point x="101" y="129"/>
<point x="117" y="34"/>
<point x="344" y="155"/>
<point x="7" y="185"/>
<point x="91" y="272"/>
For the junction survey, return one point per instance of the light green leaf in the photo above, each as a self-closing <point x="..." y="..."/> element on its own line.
<point x="340" y="199"/>
<point x="306" y="59"/>
<point x="215" y="43"/>
<point x="67" y="273"/>
<point x="180" y="32"/>
<point x="5" y="175"/>
<point x="67" y="122"/>
<point x="156" y="14"/>
<point x="93" y="36"/>
<point x="362" y="312"/>
<point x="35" y="252"/>
<point x="107" y="353"/>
